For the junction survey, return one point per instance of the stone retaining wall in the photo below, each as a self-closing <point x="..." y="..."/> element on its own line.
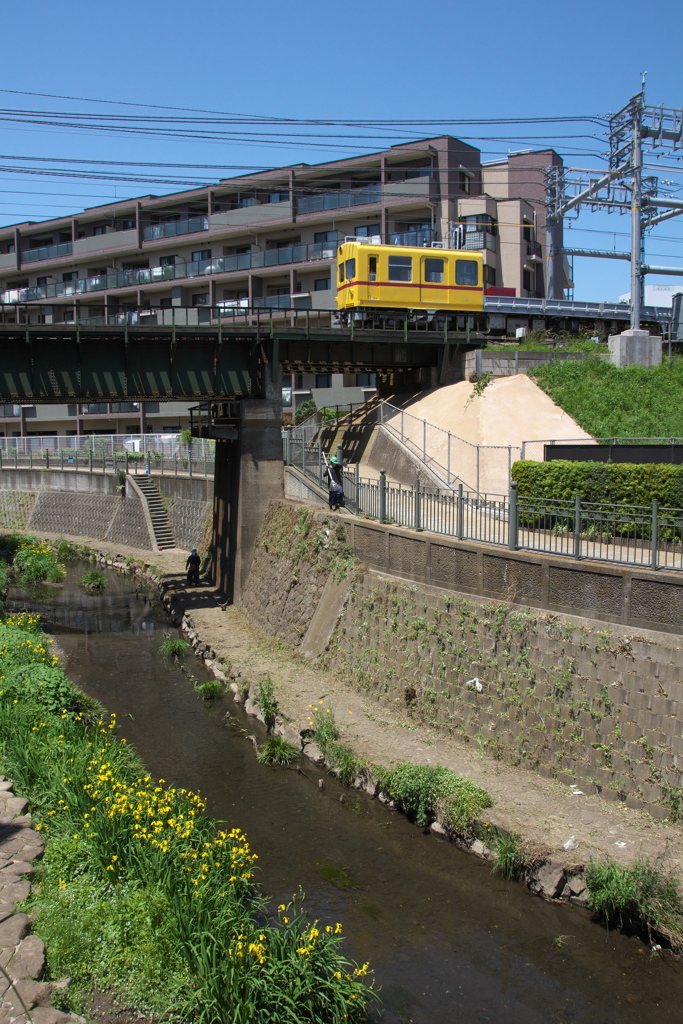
<point x="571" y="702"/>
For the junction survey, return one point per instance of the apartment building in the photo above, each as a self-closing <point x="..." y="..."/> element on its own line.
<point x="268" y="240"/>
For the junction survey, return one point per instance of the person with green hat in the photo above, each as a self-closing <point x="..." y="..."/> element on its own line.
<point x="336" y="485"/>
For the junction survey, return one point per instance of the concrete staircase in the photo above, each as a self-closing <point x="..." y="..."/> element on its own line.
<point x="163" y="534"/>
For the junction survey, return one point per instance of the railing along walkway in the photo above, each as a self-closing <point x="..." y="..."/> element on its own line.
<point x="646" y="536"/>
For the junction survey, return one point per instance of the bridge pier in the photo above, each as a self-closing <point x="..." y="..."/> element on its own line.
<point x="249" y="474"/>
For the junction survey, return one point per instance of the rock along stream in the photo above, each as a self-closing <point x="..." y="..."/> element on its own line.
<point x="449" y="941"/>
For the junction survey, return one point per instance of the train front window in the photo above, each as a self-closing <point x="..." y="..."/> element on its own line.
<point x="400" y="268"/>
<point x="466" y="273"/>
<point x="341" y="272"/>
<point x="434" y="271"/>
<point x="350" y="270"/>
<point x="372" y="268"/>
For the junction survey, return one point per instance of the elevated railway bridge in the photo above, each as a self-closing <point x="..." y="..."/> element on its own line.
<point x="233" y="359"/>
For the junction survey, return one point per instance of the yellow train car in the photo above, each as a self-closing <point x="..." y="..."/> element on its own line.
<point x="407" y="277"/>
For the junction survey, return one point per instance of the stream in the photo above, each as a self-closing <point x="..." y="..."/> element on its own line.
<point x="448" y="940"/>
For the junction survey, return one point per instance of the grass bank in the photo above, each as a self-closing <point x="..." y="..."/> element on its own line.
<point x="608" y="401"/>
<point x="140" y="891"/>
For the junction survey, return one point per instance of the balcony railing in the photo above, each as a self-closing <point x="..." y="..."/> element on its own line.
<point x="479" y="240"/>
<point x="424" y="236"/>
<point x="533" y="249"/>
<point x="334" y="200"/>
<point x="170" y="228"/>
<point x="179" y="272"/>
<point x="46" y="252"/>
<point x="272" y="302"/>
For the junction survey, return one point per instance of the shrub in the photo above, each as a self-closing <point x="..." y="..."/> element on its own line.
<point x="344" y="763"/>
<point x="93" y="581"/>
<point x="328" y="415"/>
<point x="278" y="752"/>
<point x="38" y="563"/>
<point x="67" y="551"/>
<point x="640" y="895"/>
<point x="600" y="482"/>
<point x="174" y="647"/>
<point x="423" y="791"/>
<point x="209" y="689"/>
<point x="509" y="858"/>
<point x="304" y="410"/>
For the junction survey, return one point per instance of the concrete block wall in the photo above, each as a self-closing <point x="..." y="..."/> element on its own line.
<point x="188" y="503"/>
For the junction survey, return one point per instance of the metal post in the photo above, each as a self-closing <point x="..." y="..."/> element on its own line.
<point x="655" y="534"/>
<point x="175" y="463"/>
<point x="126" y="461"/>
<point x="509" y="464"/>
<point x="30" y="459"/>
<point x="303" y="453"/>
<point x="189" y="462"/>
<point x="382" y="495"/>
<point x="477" y="469"/>
<point x="513" y="519"/>
<point x="577" y="527"/>
<point x="402" y="431"/>
<point x="460" y="529"/>
<point x="288" y="447"/>
<point x="47" y="458"/>
<point x="418" y="504"/>
<point x="62" y="458"/>
<point x="449" y="457"/>
<point x="424" y="440"/>
<point x="636" y="223"/>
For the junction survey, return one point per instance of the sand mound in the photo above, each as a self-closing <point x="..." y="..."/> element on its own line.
<point x="510" y="411"/>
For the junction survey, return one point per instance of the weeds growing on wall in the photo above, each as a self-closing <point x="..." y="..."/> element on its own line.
<point x="139" y="889"/>
<point x="637" y="896"/>
<point x="507" y="852"/>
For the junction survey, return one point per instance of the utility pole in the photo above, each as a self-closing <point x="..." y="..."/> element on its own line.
<point x="636" y="204"/>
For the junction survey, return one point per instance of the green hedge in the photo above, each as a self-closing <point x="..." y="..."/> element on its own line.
<point x="600" y="482"/>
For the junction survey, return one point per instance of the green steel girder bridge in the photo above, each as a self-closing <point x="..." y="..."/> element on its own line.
<point x="178" y="360"/>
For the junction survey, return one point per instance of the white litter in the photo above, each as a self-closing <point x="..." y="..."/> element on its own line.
<point x="620" y="844"/>
<point x="656" y="948"/>
<point x="577" y="792"/>
<point x="570" y="844"/>
<point x="474" y="684"/>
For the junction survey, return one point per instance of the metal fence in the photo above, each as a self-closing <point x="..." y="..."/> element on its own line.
<point x="453" y="459"/>
<point x="135" y="453"/>
<point x="646" y="536"/>
<point x="535" y="450"/>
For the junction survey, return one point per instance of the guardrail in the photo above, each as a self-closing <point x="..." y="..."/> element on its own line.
<point x="647" y="536"/>
<point x="136" y="453"/>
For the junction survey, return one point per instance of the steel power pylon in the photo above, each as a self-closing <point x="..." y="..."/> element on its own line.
<point x="623" y="187"/>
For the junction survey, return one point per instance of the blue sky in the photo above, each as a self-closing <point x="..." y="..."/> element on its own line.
<point x="376" y="59"/>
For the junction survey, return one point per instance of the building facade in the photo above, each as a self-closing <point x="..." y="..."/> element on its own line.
<point x="268" y="240"/>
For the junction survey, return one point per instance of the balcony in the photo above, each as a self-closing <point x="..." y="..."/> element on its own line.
<point x="534" y="251"/>
<point x="179" y="272"/>
<point x="273" y="302"/>
<point x="410" y="189"/>
<point x="171" y="228"/>
<point x="424" y="236"/>
<point x="103" y="243"/>
<point x="341" y="199"/>
<point x="479" y="240"/>
<point x="262" y="213"/>
<point x="47" y="252"/>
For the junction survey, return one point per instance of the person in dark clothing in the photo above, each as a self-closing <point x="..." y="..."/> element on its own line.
<point x="192" y="566"/>
<point x="336" y="486"/>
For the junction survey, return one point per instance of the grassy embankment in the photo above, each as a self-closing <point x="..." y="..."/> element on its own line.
<point x="608" y="401"/>
<point x="140" y="891"/>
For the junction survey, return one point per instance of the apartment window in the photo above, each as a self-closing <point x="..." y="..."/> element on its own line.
<point x="466" y="273"/>
<point x="400" y="268"/>
<point x="326" y="236"/>
<point x="69" y="316"/>
<point x="367" y="230"/>
<point x="366" y="380"/>
<point x="201" y="299"/>
<point x="350" y="270"/>
<point x="527" y="281"/>
<point x="128" y="224"/>
<point x="101" y="229"/>
<point x="41" y="282"/>
<point x="434" y="271"/>
<point x="287" y="243"/>
<point x="166" y="303"/>
<point x="201" y="254"/>
<point x="168" y="261"/>
<point x="464" y="181"/>
<point x="480" y="222"/>
<point x="70" y="275"/>
<point x="278" y="289"/>
<point x="299" y="381"/>
<point x="323" y="380"/>
<point x="322" y="284"/>
<point x="490" y="276"/>
<point x="8" y="247"/>
<point x="247" y="201"/>
<point x="278" y="197"/>
<point x="528" y="232"/>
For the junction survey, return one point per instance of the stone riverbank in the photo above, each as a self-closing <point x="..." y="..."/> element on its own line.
<point x="542" y="811"/>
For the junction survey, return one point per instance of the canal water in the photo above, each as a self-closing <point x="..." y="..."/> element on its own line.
<point x="449" y="941"/>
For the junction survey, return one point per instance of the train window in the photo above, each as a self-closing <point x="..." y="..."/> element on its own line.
<point x="341" y="272"/>
<point x="434" y="271"/>
<point x="350" y="269"/>
<point x="466" y="273"/>
<point x="372" y="268"/>
<point x="400" y="268"/>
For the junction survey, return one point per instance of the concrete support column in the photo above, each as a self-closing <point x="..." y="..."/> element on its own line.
<point x="249" y="474"/>
<point x="635" y="346"/>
